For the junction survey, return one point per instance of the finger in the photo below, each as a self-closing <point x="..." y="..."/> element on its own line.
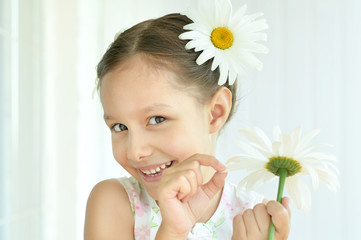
<point x="196" y="161"/>
<point x="215" y="184"/>
<point x="263" y="219"/>
<point x="190" y="175"/>
<point x="182" y="186"/>
<point x="286" y="204"/>
<point x="189" y="164"/>
<point x="250" y="223"/>
<point x="239" y="229"/>
<point x="207" y="160"/>
<point x="280" y="216"/>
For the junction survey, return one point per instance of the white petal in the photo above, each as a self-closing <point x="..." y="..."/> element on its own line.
<point x="308" y="170"/>
<point x="308" y="161"/>
<point x="235" y="67"/>
<point x="247" y="20"/>
<point x="258" y="137"/>
<point x="239" y="15"/>
<point x="257" y="36"/>
<point x="296" y="135"/>
<point x="249" y="149"/>
<point x="223" y="74"/>
<point x="249" y="60"/>
<point x="253" y="47"/>
<point x="199" y="27"/>
<point x="209" y="15"/>
<point x="190" y="35"/>
<point x="302" y="152"/>
<point x="255" y="26"/>
<point x="266" y="153"/>
<point x="201" y="16"/>
<point x="321" y="156"/>
<point x="216" y="61"/>
<point x="329" y="178"/>
<point x="203" y="45"/>
<point x="307" y="138"/>
<point x="232" y="77"/>
<point x="299" y="193"/>
<point x="223" y="12"/>
<point x="244" y="162"/>
<point x="205" y="56"/>
<point x="192" y="44"/>
<point x="276" y="133"/>
<point x="287" y="145"/>
<point x="254" y="16"/>
<point x="276" y="149"/>
<point x="255" y="179"/>
<point x="290" y="142"/>
<point x="328" y="165"/>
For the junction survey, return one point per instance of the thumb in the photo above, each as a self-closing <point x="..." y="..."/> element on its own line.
<point x="215" y="184"/>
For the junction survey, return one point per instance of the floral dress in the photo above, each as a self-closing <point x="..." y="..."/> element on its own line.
<point x="147" y="215"/>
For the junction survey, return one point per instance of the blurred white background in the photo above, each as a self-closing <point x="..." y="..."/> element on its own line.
<point x="54" y="145"/>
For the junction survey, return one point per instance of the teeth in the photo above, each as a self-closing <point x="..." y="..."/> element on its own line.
<point x="154" y="172"/>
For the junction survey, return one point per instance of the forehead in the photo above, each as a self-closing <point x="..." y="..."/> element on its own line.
<point x="137" y="83"/>
<point x="138" y="74"/>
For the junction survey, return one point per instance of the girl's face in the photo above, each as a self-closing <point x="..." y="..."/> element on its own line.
<point x="153" y="124"/>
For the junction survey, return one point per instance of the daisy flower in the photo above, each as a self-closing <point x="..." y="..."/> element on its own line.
<point x="288" y="156"/>
<point x="229" y="39"/>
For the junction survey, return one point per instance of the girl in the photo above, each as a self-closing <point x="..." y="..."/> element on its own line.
<point x="164" y="112"/>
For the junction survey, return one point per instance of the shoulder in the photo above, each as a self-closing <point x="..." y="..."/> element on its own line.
<point x="108" y="212"/>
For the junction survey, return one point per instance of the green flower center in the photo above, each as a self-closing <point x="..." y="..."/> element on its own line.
<point x="222" y="38"/>
<point x="276" y="163"/>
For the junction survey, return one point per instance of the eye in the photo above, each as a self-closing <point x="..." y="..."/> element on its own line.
<point x="118" y="127"/>
<point x="156" y="120"/>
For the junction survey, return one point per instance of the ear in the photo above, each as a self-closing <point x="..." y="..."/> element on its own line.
<point x="220" y="108"/>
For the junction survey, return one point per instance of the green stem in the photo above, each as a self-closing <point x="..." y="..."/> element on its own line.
<point x="281" y="185"/>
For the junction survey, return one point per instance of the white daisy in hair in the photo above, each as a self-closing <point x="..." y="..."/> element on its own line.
<point x="289" y="156"/>
<point x="230" y="39"/>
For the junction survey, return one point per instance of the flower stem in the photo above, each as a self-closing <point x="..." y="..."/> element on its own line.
<point x="282" y="179"/>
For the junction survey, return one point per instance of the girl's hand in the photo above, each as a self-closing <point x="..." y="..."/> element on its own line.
<point x="182" y="196"/>
<point x="254" y="223"/>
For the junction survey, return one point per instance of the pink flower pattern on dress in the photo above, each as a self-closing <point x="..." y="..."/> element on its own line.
<point x="235" y="208"/>
<point x="142" y="233"/>
<point x="139" y="208"/>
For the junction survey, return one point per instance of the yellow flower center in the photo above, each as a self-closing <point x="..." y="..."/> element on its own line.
<point x="222" y="38"/>
<point x="276" y="163"/>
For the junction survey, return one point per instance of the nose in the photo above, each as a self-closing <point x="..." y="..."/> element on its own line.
<point x="138" y="145"/>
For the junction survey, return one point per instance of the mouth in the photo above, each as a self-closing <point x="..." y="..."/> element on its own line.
<point x="155" y="171"/>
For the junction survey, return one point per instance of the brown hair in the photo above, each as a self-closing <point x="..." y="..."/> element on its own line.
<point x="158" y="39"/>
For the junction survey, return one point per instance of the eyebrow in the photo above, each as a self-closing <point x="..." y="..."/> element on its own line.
<point x="151" y="108"/>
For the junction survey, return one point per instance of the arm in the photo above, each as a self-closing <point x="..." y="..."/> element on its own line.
<point x="254" y="223"/>
<point x="108" y="213"/>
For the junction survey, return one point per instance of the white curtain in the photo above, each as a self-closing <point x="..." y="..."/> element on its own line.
<point x="55" y="146"/>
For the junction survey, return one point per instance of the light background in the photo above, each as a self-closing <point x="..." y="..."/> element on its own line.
<point x="55" y="146"/>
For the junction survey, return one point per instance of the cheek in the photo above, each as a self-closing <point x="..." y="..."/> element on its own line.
<point x="183" y="143"/>
<point x="119" y="152"/>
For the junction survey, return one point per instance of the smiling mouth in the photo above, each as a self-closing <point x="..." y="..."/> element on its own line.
<point x="153" y="172"/>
